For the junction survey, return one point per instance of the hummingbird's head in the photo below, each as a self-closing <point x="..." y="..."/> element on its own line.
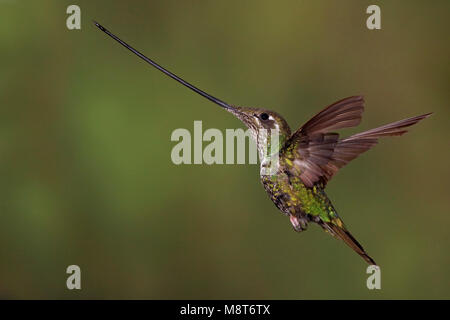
<point x="263" y="125"/>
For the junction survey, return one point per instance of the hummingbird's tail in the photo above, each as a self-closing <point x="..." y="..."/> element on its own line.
<point x="343" y="234"/>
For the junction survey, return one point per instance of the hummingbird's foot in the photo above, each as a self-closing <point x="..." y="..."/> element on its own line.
<point x="299" y="224"/>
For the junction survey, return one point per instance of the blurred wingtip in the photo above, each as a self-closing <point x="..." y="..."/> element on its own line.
<point x="421" y="117"/>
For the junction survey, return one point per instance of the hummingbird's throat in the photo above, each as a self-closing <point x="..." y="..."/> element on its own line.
<point x="268" y="142"/>
<point x="269" y="145"/>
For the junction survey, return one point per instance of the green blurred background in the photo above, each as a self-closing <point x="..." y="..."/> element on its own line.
<point x="86" y="173"/>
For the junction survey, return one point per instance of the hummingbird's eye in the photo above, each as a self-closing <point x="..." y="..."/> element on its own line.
<point x="264" y="116"/>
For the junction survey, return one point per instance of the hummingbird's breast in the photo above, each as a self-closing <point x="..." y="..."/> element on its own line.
<point x="282" y="194"/>
<point x="293" y="197"/>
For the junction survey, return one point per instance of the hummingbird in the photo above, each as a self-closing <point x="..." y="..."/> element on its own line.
<point x="307" y="158"/>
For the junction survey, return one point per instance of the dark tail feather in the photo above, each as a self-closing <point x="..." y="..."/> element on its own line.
<point x="350" y="241"/>
<point x="347" y="150"/>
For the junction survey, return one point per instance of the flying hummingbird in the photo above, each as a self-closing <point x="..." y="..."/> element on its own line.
<point x="308" y="158"/>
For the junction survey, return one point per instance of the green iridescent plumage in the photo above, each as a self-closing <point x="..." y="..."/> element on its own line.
<point x="307" y="159"/>
<point x="312" y="155"/>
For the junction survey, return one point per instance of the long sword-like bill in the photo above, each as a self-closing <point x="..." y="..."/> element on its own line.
<point x="165" y="71"/>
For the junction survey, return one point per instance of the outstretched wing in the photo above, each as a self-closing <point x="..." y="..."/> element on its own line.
<point x="317" y="154"/>
<point x="345" y="113"/>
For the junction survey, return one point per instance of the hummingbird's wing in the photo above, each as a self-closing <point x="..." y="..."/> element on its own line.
<point x="311" y="149"/>
<point x="317" y="154"/>
<point x="345" y="113"/>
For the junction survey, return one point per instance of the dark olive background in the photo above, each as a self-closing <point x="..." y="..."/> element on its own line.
<point x="86" y="176"/>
